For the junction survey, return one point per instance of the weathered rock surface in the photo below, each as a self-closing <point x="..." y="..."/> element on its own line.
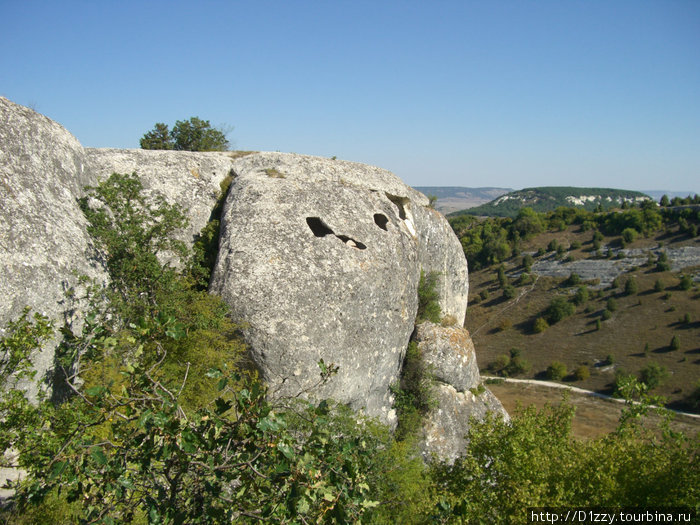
<point x="322" y="259"/>
<point x="446" y="427"/>
<point x="621" y="261"/>
<point x="43" y="237"/>
<point x="449" y="353"/>
<point x="190" y="179"/>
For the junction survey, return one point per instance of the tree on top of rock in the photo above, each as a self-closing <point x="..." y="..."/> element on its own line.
<point x="187" y="135"/>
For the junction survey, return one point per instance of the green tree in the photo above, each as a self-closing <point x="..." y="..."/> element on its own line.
<point x="675" y="343"/>
<point x="428" y="298"/>
<point x="558" y="309"/>
<point x="198" y="135"/>
<point x="653" y="375"/>
<point x="194" y="134"/>
<point x="631" y="287"/>
<point x="556" y="371"/>
<point x="158" y="138"/>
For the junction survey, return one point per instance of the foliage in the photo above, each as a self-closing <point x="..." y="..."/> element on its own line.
<point x="675" y="343"/>
<point x="206" y="246"/>
<point x="413" y="396"/>
<point x="428" y="298"/>
<point x="686" y="282"/>
<point x="187" y="135"/>
<point x="558" y="309"/>
<point x="581" y="296"/>
<point x="540" y="325"/>
<point x="581" y="373"/>
<point x="534" y="461"/>
<point x="631" y="287"/>
<point x="653" y="375"/>
<point x="556" y="371"/>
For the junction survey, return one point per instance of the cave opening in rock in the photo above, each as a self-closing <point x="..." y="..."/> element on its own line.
<point x="400" y="203"/>
<point x="381" y="220"/>
<point x="318" y="227"/>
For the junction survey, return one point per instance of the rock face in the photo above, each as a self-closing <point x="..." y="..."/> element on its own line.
<point x="190" y="179"/>
<point x="459" y="395"/>
<point x="43" y="237"/>
<point x="319" y="258"/>
<point x="322" y="260"/>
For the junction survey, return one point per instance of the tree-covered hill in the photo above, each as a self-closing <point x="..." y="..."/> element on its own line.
<point x="549" y="198"/>
<point x="455" y="198"/>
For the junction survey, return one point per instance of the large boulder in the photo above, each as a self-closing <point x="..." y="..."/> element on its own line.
<point x="449" y="354"/>
<point x="189" y="179"/>
<point x="44" y="243"/>
<point x="321" y="258"/>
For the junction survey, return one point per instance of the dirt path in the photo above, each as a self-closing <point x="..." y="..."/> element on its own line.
<point x="596" y="414"/>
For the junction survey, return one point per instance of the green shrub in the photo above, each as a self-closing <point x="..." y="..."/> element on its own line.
<point x="556" y="371"/>
<point x="631" y="287"/>
<point x="606" y="314"/>
<point x="573" y="280"/>
<point x="189" y="135"/>
<point x="686" y="282"/>
<point x="582" y="373"/>
<point x="581" y="296"/>
<point x="509" y="291"/>
<point x="558" y="309"/>
<point x="428" y="298"/>
<point x="653" y="375"/>
<point x="413" y="396"/>
<point x="658" y="286"/>
<point x="611" y="304"/>
<point x="540" y="325"/>
<point x="629" y="235"/>
<point x="675" y="343"/>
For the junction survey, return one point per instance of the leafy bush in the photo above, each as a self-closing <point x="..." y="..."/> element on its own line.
<point x="629" y="235"/>
<point x="653" y="375"/>
<point x="540" y="325"/>
<point x="631" y="287"/>
<point x="556" y="371"/>
<point x="558" y="309"/>
<point x="428" y="298"/>
<point x="611" y="304"/>
<point x="686" y="282"/>
<point x="509" y="291"/>
<point x="573" y="280"/>
<point x="581" y="296"/>
<point x="413" y="396"/>
<point x="606" y="314"/>
<point x="675" y="343"/>
<point x="581" y="373"/>
<point x="188" y="135"/>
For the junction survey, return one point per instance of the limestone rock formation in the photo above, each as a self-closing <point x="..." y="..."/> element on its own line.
<point x="322" y="258"/>
<point x="449" y="353"/>
<point x="319" y="258"/>
<point x="189" y="179"/>
<point x="43" y="237"/>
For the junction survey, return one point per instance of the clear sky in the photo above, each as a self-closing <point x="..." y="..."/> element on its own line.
<point x="443" y="93"/>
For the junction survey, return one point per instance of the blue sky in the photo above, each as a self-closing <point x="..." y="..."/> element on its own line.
<point x="443" y="93"/>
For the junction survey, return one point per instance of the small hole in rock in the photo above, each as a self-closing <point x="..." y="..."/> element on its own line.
<point x="318" y="227"/>
<point x="381" y="220"/>
<point x="351" y="242"/>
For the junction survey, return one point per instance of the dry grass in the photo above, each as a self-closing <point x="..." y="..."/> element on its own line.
<point x="647" y="319"/>
<point x="594" y="417"/>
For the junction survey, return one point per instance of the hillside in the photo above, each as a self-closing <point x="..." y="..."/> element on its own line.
<point x="549" y="198"/>
<point x="454" y="198"/>
<point x="610" y="328"/>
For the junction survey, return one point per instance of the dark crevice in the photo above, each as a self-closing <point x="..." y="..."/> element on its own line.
<point x="320" y="229"/>
<point x="400" y="203"/>
<point x="349" y="240"/>
<point x="381" y="220"/>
